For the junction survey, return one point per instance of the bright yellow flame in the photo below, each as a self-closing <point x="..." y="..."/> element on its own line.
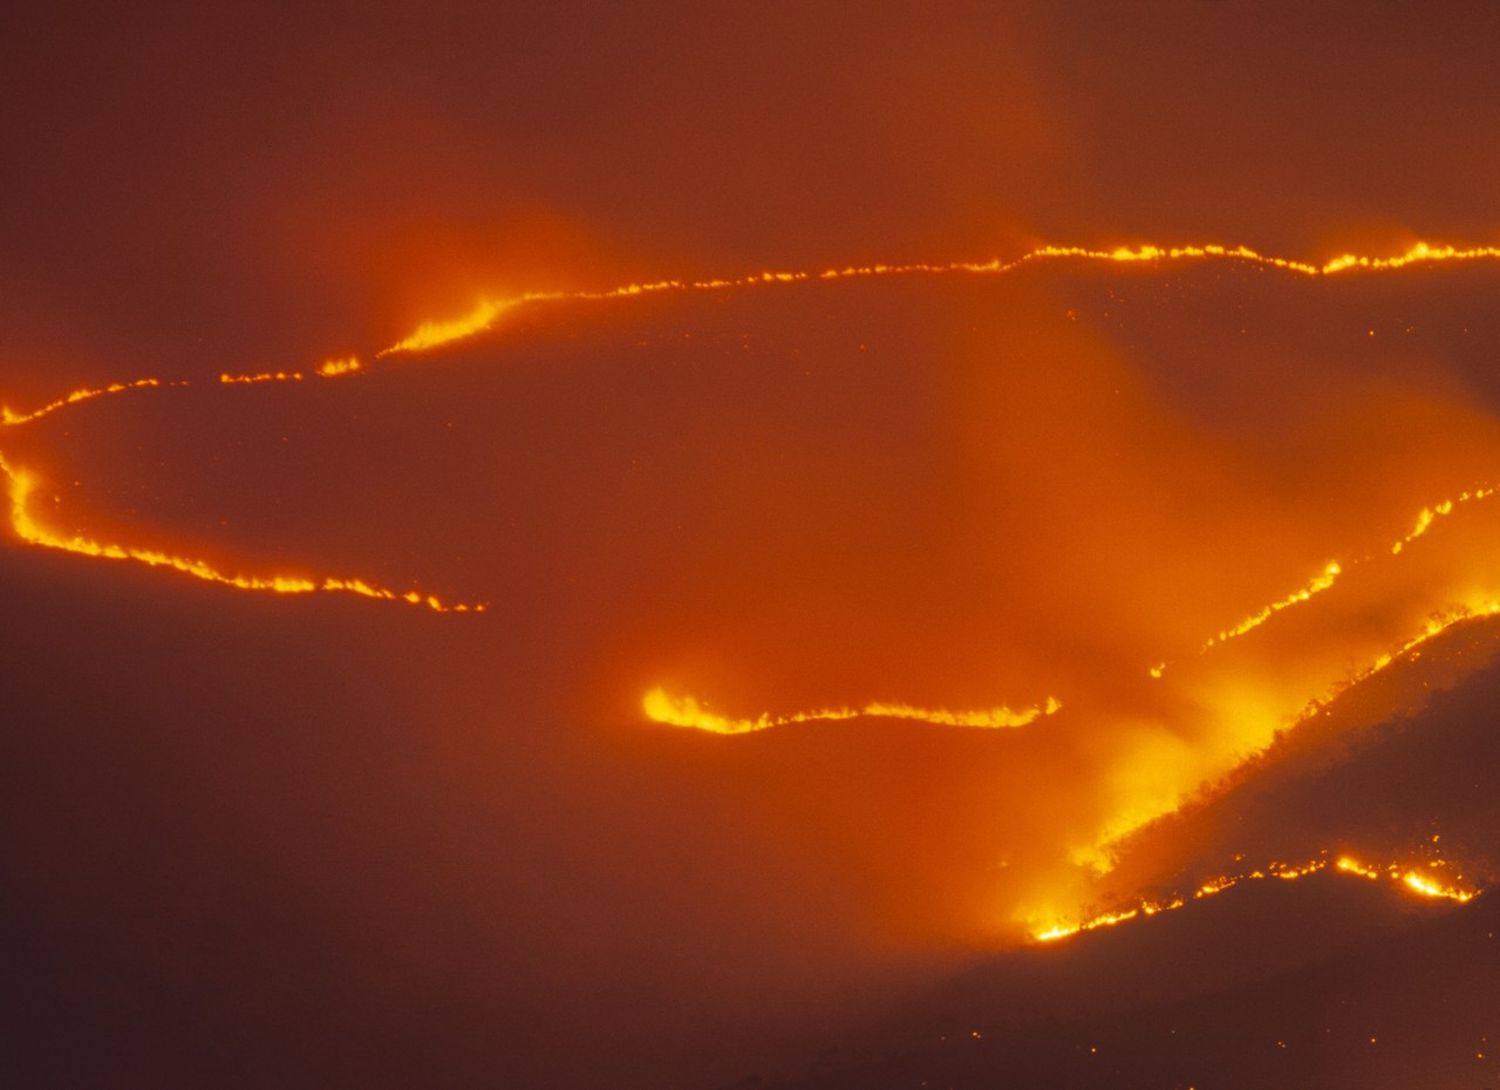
<point x="29" y="530"/>
<point x="433" y="334"/>
<point x="687" y="711"/>
<point x="1353" y="866"/>
<point x="334" y="368"/>
<point x="1420" y="253"/>
<point x="1428" y="515"/>
<point x="1425" y="885"/>
<point x="1315" y="585"/>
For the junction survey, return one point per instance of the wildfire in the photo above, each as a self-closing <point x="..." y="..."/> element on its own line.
<point x="1319" y="583"/>
<point x="1410" y="879"/>
<point x="1434" y="628"/>
<point x="487" y="312"/>
<point x="1419" y="253"/>
<point x="688" y="711"/>
<point x="432" y="334"/>
<point x="1424" y="521"/>
<point x="1428" y="515"/>
<point x="1423" y="884"/>
<point x="263" y="376"/>
<point x="1413" y="880"/>
<point x="28" y="529"/>
<point x="11" y="418"/>
<point x="334" y="368"/>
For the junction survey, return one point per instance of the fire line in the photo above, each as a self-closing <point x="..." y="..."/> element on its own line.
<point x="28" y="529"/>
<point x="1410" y="879"/>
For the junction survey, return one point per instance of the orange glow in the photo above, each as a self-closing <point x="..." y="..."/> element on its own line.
<point x="28" y="529"/>
<point x="1146" y="806"/>
<point x="688" y="711"/>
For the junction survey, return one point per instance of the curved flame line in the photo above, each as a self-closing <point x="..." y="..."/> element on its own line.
<point x="28" y="529"/>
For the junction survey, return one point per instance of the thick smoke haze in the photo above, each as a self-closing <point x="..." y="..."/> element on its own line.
<point x="319" y="839"/>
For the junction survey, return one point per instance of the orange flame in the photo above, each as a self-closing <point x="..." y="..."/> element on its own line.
<point x="433" y="334"/>
<point x="1409" y="879"/>
<point x="1429" y="515"/>
<point x="488" y="311"/>
<point x="1315" y="585"/>
<point x="688" y="711"/>
<point x="334" y="368"/>
<point x="485" y="313"/>
<point x="263" y="376"/>
<point x="1424" y="521"/>
<point x="28" y="529"/>
<point x="11" y="418"/>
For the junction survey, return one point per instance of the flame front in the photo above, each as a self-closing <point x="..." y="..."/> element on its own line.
<point x="487" y="312"/>
<point x="335" y="368"/>
<point x="434" y="334"/>
<point x="227" y="379"/>
<point x="12" y="418"/>
<point x="26" y="527"/>
<point x="1405" y="878"/>
<point x="687" y="711"/>
<point x="1316" y="585"/>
